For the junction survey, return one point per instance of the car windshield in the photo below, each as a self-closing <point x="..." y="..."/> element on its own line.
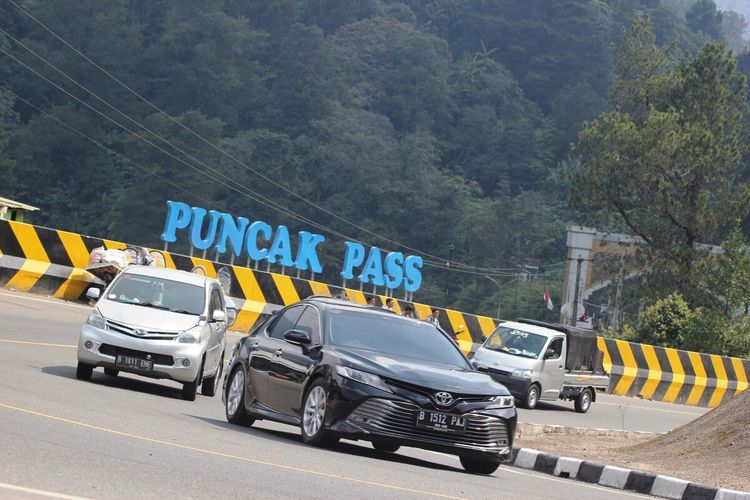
<point x="516" y="342"/>
<point x="161" y="293"/>
<point x="393" y="335"/>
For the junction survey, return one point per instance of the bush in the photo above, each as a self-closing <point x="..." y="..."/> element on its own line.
<point x="665" y="323"/>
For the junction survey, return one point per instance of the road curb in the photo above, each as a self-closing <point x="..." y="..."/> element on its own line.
<point x="528" y="429"/>
<point x="619" y="477"/>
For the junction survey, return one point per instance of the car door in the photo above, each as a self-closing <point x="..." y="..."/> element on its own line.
<point x="262" y="351"/>
<point x="553" y="370"/>
<point x="218" y="329"/>
<point x="292" y="364"/>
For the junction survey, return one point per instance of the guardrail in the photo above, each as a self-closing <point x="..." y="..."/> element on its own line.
<point x="49" y="261"/>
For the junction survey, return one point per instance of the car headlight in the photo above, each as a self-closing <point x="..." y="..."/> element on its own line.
<point x="363" y="377"/>
<point x="192" y="336"/>
<point x="97" y="321"/>
<point x="522" y="373"/>
<point x="501" y="402"/>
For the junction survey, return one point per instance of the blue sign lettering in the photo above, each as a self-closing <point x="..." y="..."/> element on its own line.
<point x="207" y="228"/>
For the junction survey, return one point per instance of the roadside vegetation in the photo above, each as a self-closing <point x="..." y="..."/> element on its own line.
<point x="470" y="131"/>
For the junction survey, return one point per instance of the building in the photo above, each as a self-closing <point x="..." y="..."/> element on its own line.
<point x="14" y="210"/>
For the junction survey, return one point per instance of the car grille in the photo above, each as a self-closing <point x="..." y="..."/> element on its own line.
<point x="429" y="393"/>
<point x="398" y="419"/>
<point x="499" y="372"/>
<point x="159" y="359"/>
<point x="142" y="334"/>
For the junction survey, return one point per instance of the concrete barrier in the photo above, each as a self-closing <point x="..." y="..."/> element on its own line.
<point x="49" y="261"/>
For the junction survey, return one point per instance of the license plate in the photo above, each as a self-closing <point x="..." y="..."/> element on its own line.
<point x="134" y="363"/>
<point x="444" y="422"/>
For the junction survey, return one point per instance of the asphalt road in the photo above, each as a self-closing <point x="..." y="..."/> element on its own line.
<point x="129" y="436"/>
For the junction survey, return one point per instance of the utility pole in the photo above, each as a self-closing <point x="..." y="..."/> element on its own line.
<point x="577" y="292"/>
<point x="447" y="267"/>
<point x="499" y="294"/>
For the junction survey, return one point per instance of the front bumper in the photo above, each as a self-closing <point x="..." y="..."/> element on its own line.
<point x="517" y="386"/>
<point x="169" y="356"/>
<point x="361" y="412"/>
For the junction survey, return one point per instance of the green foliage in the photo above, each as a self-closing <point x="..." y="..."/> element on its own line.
<point x="665" y="323"/>
<point x="704" y="17"/>
<point x="444" y="125"/>
<point x="668" y="159"/>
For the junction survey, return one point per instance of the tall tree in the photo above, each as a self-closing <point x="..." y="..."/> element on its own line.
<point x="704" y="17"/>
<point x="668" y="159"/>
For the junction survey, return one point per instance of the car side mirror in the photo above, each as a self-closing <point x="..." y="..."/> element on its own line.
<point x="218" y="315"/>
<point x="93" y="293"/>
<point x="549" y="354"/>
<point x="297" y="337"/>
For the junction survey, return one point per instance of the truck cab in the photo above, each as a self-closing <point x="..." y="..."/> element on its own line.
<point x="543" y="362"/>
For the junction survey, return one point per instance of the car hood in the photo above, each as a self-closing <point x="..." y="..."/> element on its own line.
<point x="421" y="373"/>
<point x="146" y="317"/>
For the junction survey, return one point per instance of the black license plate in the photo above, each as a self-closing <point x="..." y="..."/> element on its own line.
<point x="444" y="422"/>
<point x="134" y="363"/>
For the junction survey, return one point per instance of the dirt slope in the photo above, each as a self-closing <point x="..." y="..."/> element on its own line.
<point x="713" y="449"/>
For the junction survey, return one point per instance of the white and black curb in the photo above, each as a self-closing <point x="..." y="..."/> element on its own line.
<point x="620" y="478"/>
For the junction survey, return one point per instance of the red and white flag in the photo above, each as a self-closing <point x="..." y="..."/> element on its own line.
<point x="547" y="299"/>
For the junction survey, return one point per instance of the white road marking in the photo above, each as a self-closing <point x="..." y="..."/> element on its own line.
<point x="48" y="301"/>
<point x="41" y="493"/>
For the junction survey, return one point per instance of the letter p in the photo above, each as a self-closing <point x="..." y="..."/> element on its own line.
<point x="178" y="217"/>
<point x="354" y="256"/>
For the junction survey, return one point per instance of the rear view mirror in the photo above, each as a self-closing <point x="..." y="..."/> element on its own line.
<point x="218" y="315"/>
<point x="549" y="354"/>
<point x="297" y="337"/>
<point x="93" y="293"/>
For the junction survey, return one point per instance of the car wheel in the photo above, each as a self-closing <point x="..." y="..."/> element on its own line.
<point x="313" y="416"/>
<point x="385" y="446"/>
<point x="480" y="465"/>
<point x="583" y="401"/>
<point x="532" y="397"/>
<point x="84" y="371"/>
<point x="190" y="389"/>
<point x="235" y="399"/>
<point x="111" y="372"/>
<point x="211" y="384"/>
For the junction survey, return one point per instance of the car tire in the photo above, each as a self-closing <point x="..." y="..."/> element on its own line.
<point x="385" y="446"/>
<point x="211" y="384"/>
<point x="583" y="401"/>
<point x="190" y="389"/>
<point x="532" y="397"/>
<point x="234" y="406"/>
<point x="84" y="371"/>
<point x="314" y="410"/>
<point x="480" y="465"/>
<point x="111" y="372"/>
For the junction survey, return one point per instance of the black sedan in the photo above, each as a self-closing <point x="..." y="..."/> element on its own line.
<point x="341" y="370"/>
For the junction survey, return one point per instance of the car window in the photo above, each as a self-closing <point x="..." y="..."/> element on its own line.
<point x="393" y="335"/>
<point x="556" y="345"/>
<point x="215" y="303"/>
<point x="285" y="322"/>
<point x="309" y="322"/>
<point x="161" y="293"/>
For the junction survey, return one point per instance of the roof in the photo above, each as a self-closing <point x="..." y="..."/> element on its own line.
<point x="170" y="274"/>
<point x="5" y="202"/>
<point x="526" y="327"/>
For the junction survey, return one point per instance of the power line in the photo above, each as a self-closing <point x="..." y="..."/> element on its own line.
<point x="228" y="155"/>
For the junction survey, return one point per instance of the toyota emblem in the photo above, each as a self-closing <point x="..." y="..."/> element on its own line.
<point x="443" y="398"/>
<point x="139" y="332"/>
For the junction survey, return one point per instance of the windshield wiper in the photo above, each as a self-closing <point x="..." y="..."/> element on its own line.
<point x="181" y="311"/>
<point x="149" y="304"/>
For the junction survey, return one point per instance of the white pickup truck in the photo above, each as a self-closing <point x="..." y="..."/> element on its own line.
<point x="539" y="361"/>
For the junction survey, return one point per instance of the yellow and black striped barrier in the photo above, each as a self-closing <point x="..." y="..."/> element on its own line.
<point x="672" y="375"/>
<point x="52" y="262"/>
<point x="42" y="260"/>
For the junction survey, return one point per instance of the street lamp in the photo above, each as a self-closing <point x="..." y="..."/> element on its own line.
<point x="499" y="294"/>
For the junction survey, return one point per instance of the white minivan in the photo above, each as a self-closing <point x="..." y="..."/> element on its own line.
<point x="158" y="323"/>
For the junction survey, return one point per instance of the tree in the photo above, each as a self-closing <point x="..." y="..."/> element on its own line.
<point x="667" y="159"/>
<point x="704" y="17"/>
<point x="8" y="122"/>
